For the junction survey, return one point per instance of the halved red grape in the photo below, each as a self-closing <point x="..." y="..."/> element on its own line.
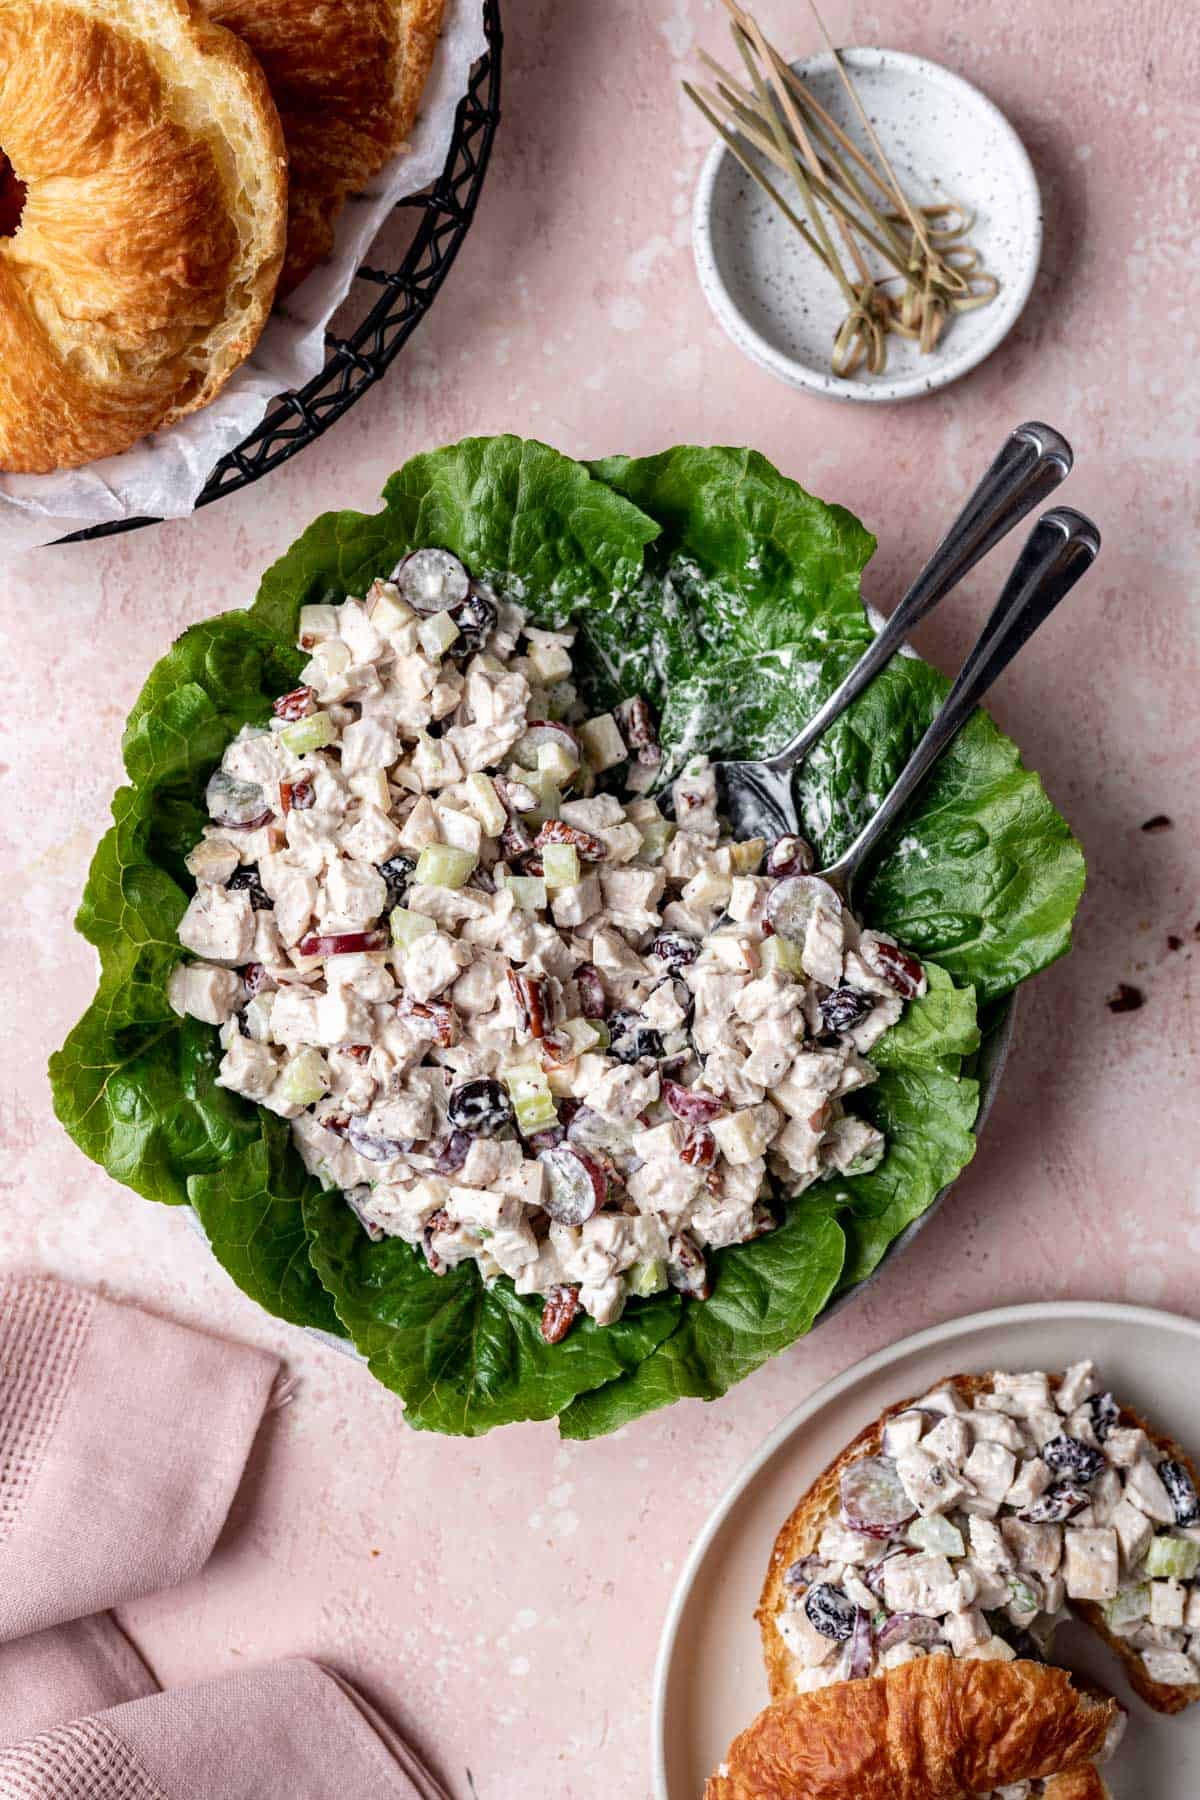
<point x="431" y="580"/>
<point x="859" y="1651"/>
<point x="908" y="1628"/>
<point x="236" y="805"/>
<point x="607" y="1143"/>
<point x="593" y="1002"/>
<point x="576" y="1185"/>
<point x="873" y="1574"/>
<point x="341" y="943"/>
<point x="453" y="1153"/>
<point x="803" y="1570"/>
<point x="792" y="902"/>
<point x="692" y="1104"/>
<point x="545" y="731"/>
<point x="873" y="1497"/>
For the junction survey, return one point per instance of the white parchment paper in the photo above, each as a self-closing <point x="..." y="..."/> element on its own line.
<point x="162" y="475"/>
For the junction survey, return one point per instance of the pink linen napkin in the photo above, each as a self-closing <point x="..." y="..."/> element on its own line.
<point x="123" y="1438"/>
<point x="291" y="1731"/>
<point x="66" y="1672"/>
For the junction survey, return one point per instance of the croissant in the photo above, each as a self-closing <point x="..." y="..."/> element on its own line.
<point x="937" y="1729"/>
<point x="151" y="176"/>
<point x="347" y="77"/>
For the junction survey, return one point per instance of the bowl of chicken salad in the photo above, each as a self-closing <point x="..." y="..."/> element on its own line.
<point x="435" y="984"/>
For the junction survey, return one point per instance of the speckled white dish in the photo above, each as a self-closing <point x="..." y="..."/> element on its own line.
<point x="782" y="308"/>
<point x="709" y="1682"/>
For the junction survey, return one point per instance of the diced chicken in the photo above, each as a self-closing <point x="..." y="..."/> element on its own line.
<point x="248" y="1068"/>
<point x="203" y="991"/>
<point x="218" y="925"/>
<point x="1091" y="1566"/>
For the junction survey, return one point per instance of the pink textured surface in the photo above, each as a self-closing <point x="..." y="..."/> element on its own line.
<point x="503" y="1597"/>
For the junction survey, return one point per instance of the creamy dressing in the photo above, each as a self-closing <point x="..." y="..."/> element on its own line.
<point x="512" y="1013"/>
<point x="976" y="1526"/>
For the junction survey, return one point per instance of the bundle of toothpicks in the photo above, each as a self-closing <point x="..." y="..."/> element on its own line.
<point x="901" y="267"/>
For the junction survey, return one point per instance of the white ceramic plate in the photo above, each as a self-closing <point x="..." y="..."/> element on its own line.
<point x="783" y="309"/>
<point x="709" y="1681"/>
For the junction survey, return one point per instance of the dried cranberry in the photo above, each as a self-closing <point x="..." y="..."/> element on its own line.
<point x="296" y="796"/>
<point x="675" y="949"/>
<point x="1103" y="1412"/>
<point x="789" y="856"/>
<point x="691" y="1104"/>
<point x="844" y="1008"/>
<point x="476" y="620"/>
<point x="631" y="1039"/>
<point x="296" y="705"/>
<point x="359" y="1053"/>
<point x="1055" y="1505"/>
<point x="1181" y="1490"/>
<point x="900" y="970"/>
<point x="397" y="872"/>
<point x="558" y="1314"/>
<point x="479" y="1107"/>
<point x="548" y="1138"/>
<point x="1069" y="1456"/>
<point x="635" y="722"/>
<point x="529" y="992"/>
<point x="557" y="831"/>
<point x="338" y="1123"/>
<point x="249" y="880"/>
<point x="830" y="1612"/>
<point x="255" y="977"/>
<point x="687" y="1270"/>
<point x="593" y="1003"/>
<point x="1126" y="998"/>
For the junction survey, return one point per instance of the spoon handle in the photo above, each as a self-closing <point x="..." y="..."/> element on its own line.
<point x="1032" y="462"/>
<point x="1061" y="547"/>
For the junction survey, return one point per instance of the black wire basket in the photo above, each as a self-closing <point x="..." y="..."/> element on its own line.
<point x="355" y="361"/>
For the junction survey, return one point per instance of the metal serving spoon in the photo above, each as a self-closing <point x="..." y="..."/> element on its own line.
<point x="1061" y="547"/>
<point x="1033" y="461"/>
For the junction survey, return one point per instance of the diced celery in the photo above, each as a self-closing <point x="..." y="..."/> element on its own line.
<point x="407" y="926"/>
<point x="656" y="835"/>
<point x="780" y="953"/>
<point x="533" y="1103"/>
<point x="937" y="1535"/>
<point x="1129" y="1605"/>
<point x="747" y="855"/>
<point x="442" y="865"/>
<point x="436" y="634"/>
<point x="556" y="761"/>
<point x="561" y="863"/>
<point x="305" y="1079"/>
<point x="647" y="1278"/>
<point x="528" y="891"/>
<point x="312" y="733"/>
<point x="549" y="795"/>
<point x="603" y="1034"/>
<point x="485" y="803"/>
<point x="1168" y="1556"/>
<point x="1022" y="1595"/>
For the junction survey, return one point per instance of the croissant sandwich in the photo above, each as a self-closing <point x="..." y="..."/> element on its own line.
<point x="965" y="1523"/>
<point x="932" y="1729"/>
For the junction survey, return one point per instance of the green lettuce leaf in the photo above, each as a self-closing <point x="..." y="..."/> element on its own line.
<point x="465" y="1357"/>
<point x="728" y="595"/>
